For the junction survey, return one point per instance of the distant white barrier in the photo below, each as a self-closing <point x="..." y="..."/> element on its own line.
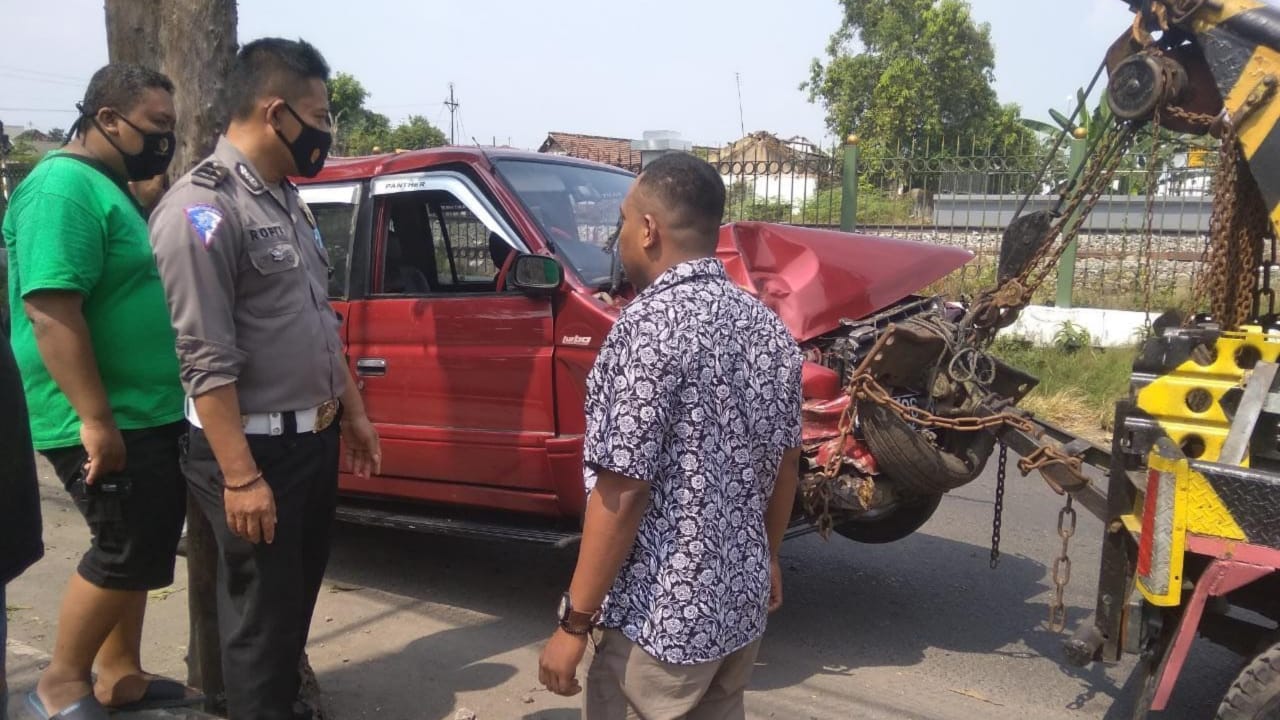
<point x="1039" y="324"/>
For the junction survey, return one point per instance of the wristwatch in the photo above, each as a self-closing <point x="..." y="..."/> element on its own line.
<point x="573" y="621"/>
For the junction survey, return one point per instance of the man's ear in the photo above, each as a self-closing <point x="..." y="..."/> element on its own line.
<point x="271" y="110"/>
<point x="649" y="233"/>
<point x="107" y="120"/>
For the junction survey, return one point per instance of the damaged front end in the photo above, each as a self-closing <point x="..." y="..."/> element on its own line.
<point x="902" y="401"/>
<point x="869" y="472"/>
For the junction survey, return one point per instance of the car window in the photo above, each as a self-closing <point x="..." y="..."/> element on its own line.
<point x="575" y="206"/>
<point x="336" y="223"/>
<point x="435" y="244"/>
<point x="463" y="250"/>
<point x="335" y="208"/>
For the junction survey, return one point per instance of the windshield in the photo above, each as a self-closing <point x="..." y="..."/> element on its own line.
<point x="577" y="209"/>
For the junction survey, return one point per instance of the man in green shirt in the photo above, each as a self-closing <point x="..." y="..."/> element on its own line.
<point x="92" y="338"/>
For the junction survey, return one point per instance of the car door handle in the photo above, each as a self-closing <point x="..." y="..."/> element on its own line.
<point x="371" y="366"/>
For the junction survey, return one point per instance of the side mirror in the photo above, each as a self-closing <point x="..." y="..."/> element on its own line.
<point x="536" y="274"/>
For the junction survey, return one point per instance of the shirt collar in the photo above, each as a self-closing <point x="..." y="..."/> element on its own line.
<point x="710" y="268"/>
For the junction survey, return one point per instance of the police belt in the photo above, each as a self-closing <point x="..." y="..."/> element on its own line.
<point x="288" y="422"/>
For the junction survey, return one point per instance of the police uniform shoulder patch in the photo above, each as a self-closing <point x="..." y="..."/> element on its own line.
<point x="209" y="174"/>
<point x="204" y="220"/>
<point x="250" y="180"/>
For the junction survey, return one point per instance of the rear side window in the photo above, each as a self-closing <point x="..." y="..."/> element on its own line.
<point x="335" y="209"/>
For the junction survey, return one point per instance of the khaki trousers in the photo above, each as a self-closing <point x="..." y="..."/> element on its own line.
<point x="624" y="681"/>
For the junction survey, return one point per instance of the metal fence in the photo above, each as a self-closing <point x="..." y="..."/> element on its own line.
<point x="965" y="193"/>
<point x="10" y="176"/>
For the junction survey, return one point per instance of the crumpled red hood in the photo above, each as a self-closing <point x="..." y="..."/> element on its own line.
<point x="815" y="278"/>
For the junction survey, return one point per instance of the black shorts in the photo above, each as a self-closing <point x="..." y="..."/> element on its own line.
<point x="136" y="529"/>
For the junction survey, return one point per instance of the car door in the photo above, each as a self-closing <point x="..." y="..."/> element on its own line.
<point x="455" y="374"/>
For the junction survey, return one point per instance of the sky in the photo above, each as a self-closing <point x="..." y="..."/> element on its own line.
<point x="522" y="69"/>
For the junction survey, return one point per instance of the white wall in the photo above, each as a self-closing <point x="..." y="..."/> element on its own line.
<point x="1107" y="328"/>
<point x="791" y="189"/>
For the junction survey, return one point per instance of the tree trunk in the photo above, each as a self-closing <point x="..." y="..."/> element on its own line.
<point x="194" y="43"/>
<point x="198" y="42"/>
<point x="133" y="31"/>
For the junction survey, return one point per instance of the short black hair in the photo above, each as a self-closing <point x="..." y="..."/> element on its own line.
<point x="689" y="188"/>
<point x="271" y="67"/>
<point x="119" y="86"/>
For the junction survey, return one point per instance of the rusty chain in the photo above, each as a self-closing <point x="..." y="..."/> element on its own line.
<point x="1012" y="295"/>
<point x="1100" y="170"/>
<point x="1045" y="456"/>
<point x="864" y="386"/>
<point x="1062" y="567"/>
<point x="1238" y="223"/>
<point x="1238" y="226"/>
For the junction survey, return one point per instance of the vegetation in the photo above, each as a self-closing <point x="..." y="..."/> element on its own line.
<point x="1072" y="338"/>
<point x="741" y="203"/>
<point x="1165" y="149"/>
<point x="1078" y="390"/>
<point x="908" y="73"/>
<point x="360" y="131"/>
<point x="875" y="207"/>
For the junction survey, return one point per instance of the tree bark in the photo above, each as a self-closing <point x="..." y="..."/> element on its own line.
<point x="133" y="31"/>
<point x="198" y="43"/>
<point x="193" y="42"/>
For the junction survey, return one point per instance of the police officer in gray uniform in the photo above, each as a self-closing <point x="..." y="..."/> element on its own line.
<point x="269" y="390"/>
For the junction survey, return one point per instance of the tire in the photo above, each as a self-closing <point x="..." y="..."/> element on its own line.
<point x="900" y="522"/>
<point x="1255" y="695"/>
<point x="910" y="459"/>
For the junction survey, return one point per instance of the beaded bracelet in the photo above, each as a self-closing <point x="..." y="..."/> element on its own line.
<point x="245" y="485"/>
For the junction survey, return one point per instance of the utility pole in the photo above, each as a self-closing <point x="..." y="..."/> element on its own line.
<point x="742" y="125"/>
<point x="452" y="104"/>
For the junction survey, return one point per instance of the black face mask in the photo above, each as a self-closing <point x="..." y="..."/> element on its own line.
<point x="309" y="149"/>
<point x="152" y="160"/>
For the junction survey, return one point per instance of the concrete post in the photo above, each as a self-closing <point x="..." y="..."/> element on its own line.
<point x="1067" y="266"/>
<point x="849" y="186"/>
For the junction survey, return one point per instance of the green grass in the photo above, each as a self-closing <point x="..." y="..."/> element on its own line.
<point x="1077" y="390"/>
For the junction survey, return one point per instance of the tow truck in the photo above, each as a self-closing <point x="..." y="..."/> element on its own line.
<point x="1189" y="493"/>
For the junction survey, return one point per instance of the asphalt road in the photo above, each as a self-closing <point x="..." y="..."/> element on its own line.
<point x="415" y="626"/>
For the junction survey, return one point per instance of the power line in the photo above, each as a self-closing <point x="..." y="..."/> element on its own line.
<point x="375" y="106"/>
<point x="21" y="109"/>
<point x="45" y="73"/>
<point x="49" y="81"/>
<point x="741" y="122"/>
<point x="462" y="125"/>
